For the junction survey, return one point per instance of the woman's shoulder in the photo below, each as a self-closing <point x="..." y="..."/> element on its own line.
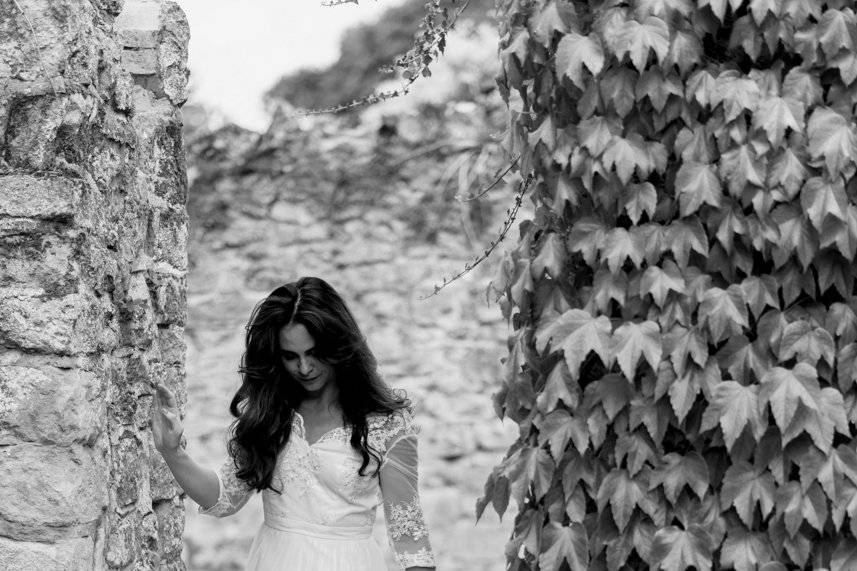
<point x="385" y="425"/>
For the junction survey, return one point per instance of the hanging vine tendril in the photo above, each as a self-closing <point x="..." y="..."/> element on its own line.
<point x="429" y="44"/>
<point x="511" y="213"/>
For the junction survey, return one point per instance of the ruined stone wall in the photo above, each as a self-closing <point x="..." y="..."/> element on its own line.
<point x="92" y="280"/>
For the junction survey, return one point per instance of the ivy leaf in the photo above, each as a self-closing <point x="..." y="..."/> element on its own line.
<point x="844" y="557"/>
<point x="842" y="320"/>
<point x="723" y="312"/>
<point x="567" y="190"/>
<point x="517" y="48"/>
<point x="555" y="430"/>
<point x="831" y="137"/>
<point x="787" y="171"/>
<point x="551" y="258"/>
<point x="745" y="551"/>
<point x="783" y="389"/>
<point x="807" y="343"/>
<point x="620" y="245"/>
<point x="760" y="292"/>
<point x="617" y="89"/>
<point x="587" y="237"/>
<point x="695" y="144"/>
<point x="639" y="198"/>
<point x="678" y="471"/>
<point x="564" y="543"/>
<point x="737" y="93"/>
<point x="595" y="133"/>
<point x="739" y="356"/>
<point x="685" y="344"/>
<point x="702" y="86"/>
<point x="798" y="506"/>
<point x="796" y="236"/>
<point x="740" y="166"/>
<point x="624" y="494"/>
<point x="573" y="52"/>
<point x="546" y="23"/>
<point x="626" y="155"/>
<point x="658" y="88"/>
<point x="660" y="281"/>
<point x="820" y="197"/>
<point x="684" y="236"/>
<point x="577" y="332"/>
<point x="676" y="549"/>
<point x="846" y="369"/>
<point x="632" y="340"/>
<point x="834" y="32"/>
<point x="697" y="184"/>
<point x="683" y="389"/>
<point x="685" y="52"/>
<point x="654" y="415"/>
<point x="613" y="392"/>
<point x="558" y="387"/>
<point x="801" y="85"/>
<point x="637" y="447"/>
<point x="638" y="39"/>
<point x="744" y="487"/>
<point x="820" y="423"/>
<point x="528" y="466"/>
<point x="607" y="286"/>
<point x="775" y="115"/>
<point x="734" y="407"/>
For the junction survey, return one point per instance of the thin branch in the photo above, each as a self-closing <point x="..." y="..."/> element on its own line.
<point x="492" y="185"/>
<point x="511" y="213"/>
<point x="430" y="43"/>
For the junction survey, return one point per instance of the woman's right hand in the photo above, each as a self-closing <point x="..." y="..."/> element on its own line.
<point x="165" y="422"/>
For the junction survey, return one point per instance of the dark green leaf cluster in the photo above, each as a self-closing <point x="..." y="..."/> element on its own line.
<point x="684" y="355"/>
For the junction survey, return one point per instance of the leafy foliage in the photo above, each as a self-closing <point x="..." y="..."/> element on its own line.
<point x="684" y="354"/>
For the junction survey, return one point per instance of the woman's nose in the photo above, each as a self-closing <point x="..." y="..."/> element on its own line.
<point x="304" y="366"/>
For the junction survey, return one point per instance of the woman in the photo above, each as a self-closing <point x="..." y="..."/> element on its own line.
<point x="319" y="434"/>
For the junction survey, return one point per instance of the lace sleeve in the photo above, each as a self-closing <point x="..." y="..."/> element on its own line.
<point x="233" y="493"/>
<point x="406" y="526"/>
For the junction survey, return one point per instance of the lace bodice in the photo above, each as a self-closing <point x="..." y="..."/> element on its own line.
<point x="323" y="489"/>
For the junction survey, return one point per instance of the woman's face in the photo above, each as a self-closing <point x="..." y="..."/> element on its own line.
<point x="298" y="353"/>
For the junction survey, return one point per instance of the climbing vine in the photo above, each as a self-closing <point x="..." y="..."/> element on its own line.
<point x="683" y="358"/>
<point x="429" y="44"/>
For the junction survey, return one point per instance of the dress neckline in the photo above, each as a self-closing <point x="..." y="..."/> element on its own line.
<point x="302" y="431"/>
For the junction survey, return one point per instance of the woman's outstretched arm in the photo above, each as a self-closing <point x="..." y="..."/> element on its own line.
<point x="201" y="484"/>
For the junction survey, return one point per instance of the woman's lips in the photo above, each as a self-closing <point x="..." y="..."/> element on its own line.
<point x="307" y="380"/>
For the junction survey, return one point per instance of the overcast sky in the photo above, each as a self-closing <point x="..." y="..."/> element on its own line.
<point x="239" y="49"/>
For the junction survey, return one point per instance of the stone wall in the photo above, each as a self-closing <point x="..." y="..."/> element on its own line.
<point x="92" y="280"/>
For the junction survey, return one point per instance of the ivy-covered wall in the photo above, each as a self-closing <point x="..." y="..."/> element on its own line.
<point x="683" y="362"/>
<point x="92" y="280"/>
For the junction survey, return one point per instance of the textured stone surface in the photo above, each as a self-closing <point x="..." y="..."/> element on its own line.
<point x="92" y="183"/>
<point x="51" y="492"/>
<point x="64" y="555"/>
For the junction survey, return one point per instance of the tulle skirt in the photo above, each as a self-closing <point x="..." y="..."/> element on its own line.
<point x="276" y="549"/>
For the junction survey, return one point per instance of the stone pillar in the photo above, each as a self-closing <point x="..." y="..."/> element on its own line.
<point x="92" y="280"/>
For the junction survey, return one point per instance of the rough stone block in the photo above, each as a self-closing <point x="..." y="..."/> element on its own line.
<point x="140" y="61"/>
<point x="41" y="260"/>
<point x="138" y="24"/>
<point x="51" y="404"/>
<point x="70" y="324"/>
<point x="169" y="296"/>
<point x="172" y="345"/>
<point x="171" y="520"/>
<point x="62" y="502"/>
<point x="66" y="555"/>
<point x="45" y="197"/>
<point x="171" y="238"/>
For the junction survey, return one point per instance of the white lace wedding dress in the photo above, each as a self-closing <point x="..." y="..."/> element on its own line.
<point x="323" y="520"/>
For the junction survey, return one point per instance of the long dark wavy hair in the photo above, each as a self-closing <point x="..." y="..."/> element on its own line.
<point x="265" y="404"/>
